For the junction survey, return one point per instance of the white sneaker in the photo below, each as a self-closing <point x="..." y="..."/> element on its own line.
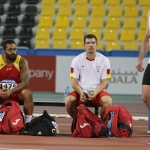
<point x="148" y="131"/>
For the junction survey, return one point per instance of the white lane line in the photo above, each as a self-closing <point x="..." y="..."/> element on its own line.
<point x="17" y="149"/>
<point x="68" y="116"/>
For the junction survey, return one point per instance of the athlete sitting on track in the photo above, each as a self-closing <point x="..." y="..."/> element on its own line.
<point x="14" y="78"/>
<point x="89" y="74"/>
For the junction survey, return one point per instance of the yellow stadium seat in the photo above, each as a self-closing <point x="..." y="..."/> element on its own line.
<point x="48" y="10"/>
<point x="42" y="44"/>
<point x="96" y="22"/>
<point x="98" y="11"/>
<point x="59" y="34"/>
<point x="81" y="10"/>
<point x="42" y="33"/>
<point x="48" y="1"/>
<point x="77" y="44"/>
<point x="80" y="2"/>
<point x="113" y="46"/>
<point x="127" y="35"/>
<point x="112" y="2"/>
<point x="76" y="34"/>
<point x="144" y="3"/>
<point x="62" y="22"/>
<point x="143" y="23"/>
<point x="95" y="31"/>
<point x="129" y="2"/>
<point x="64" y="10"/>
<point x="145" y="11"/>
<point x="59" y="44"/>
<point x="96" y="2"/>
<point x="140" y="35"/>
<point x="130" y="23"/>
<point x="130" y="46"/>
<point x="64" y="2"/>
<point x="45" y="21"/>
<point x="79" y="22"/>
<point x="100" y="46"/>
<point x="131" y="11"/>
<point x="110" y="35"/>
<point x="115" y="11"/>
<point x="113" y="23"/>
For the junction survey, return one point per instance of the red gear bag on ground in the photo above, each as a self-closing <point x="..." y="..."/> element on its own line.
<point x="119" y="121"/>
<point x="87" y="124"/>
<point x="11" y="118"/>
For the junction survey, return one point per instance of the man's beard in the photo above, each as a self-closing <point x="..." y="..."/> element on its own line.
<point x="11" y="57"/>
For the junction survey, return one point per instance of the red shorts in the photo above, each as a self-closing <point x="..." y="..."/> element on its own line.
<point x="95" y="101"/>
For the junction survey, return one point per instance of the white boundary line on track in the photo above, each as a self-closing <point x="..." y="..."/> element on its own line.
<point x="68" y="116"/>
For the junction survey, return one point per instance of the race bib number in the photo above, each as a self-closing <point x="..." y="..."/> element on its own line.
<point x="7" y="84"/>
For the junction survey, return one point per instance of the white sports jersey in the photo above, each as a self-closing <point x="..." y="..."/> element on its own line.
<point x="90" y="72"/>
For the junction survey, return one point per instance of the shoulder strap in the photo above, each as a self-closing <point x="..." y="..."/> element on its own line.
<point x="121" y="125"/>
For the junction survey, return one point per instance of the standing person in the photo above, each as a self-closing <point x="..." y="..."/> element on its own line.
<point x="14" y="78"/>
<point x="146" y="79"/>
<point x="89" y="74"/>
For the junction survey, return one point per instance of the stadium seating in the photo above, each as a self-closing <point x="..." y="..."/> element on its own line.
<point x="113" y="23"/>
<point x="24" y="43"/>
<point x="112" y="46"/>
<point x="64" y="2"/>
<point x="95" y="31"/>
<point x="59" y="44"/>
<point x="77" y="44"/>
<point x="129" y="2"/>
<point x="130" y="46"/>
<point x="112" y="2"/>
<point x="45" y="22"/>
<point x="64" y="23"/>
<point x="96" y="2"/>
<point x="42" y="44"/>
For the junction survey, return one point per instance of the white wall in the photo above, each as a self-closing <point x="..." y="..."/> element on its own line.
<point x="125" y="79"/>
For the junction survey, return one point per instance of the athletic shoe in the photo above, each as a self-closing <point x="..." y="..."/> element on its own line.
<point x="148" y="131"/>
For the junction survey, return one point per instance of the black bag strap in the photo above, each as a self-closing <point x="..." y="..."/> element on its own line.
<point x="121" y="125"/>
<point x="46" y="115"/>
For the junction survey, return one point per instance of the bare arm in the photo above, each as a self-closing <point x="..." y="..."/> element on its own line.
<point x="76" y="86"/>
<point x="24" y="75"/>
<point x="145" y="45"/>
<point x="78" y="89"/>
<point x="144" y="48"/>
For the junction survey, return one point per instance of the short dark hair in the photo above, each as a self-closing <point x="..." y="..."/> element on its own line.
<point x="7" y="41"/>
<point x="90" y="36"/>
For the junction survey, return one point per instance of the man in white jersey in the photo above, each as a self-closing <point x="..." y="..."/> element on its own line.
<point x="146" y="78"/>
<point x="89" y="74"/>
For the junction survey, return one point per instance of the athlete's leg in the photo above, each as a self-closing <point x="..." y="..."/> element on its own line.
<point x="71" y="105"/>
<point x="26" y="96"/>
<point x="146" y="99"/>
<point x="105" y="102"/>
<point x="146" y="92"/>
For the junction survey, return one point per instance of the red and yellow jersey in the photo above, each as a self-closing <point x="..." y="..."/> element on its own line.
<point x="9" y="74"/>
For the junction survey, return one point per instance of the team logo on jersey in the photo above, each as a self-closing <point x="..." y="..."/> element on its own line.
<point x="98" y="68"/>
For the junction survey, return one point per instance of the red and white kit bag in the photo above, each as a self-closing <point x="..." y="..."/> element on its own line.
<point x="11" y="118"/>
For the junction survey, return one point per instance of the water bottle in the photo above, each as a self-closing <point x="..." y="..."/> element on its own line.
<point x="56" y="126"/>
<point x="66" y="92"/>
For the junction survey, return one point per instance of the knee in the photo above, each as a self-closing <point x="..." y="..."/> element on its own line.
<point x="106" y="101"/>
<point x="70" y="101"/>
<point x="145" y="98"/>
<point x="26" y="94"/>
